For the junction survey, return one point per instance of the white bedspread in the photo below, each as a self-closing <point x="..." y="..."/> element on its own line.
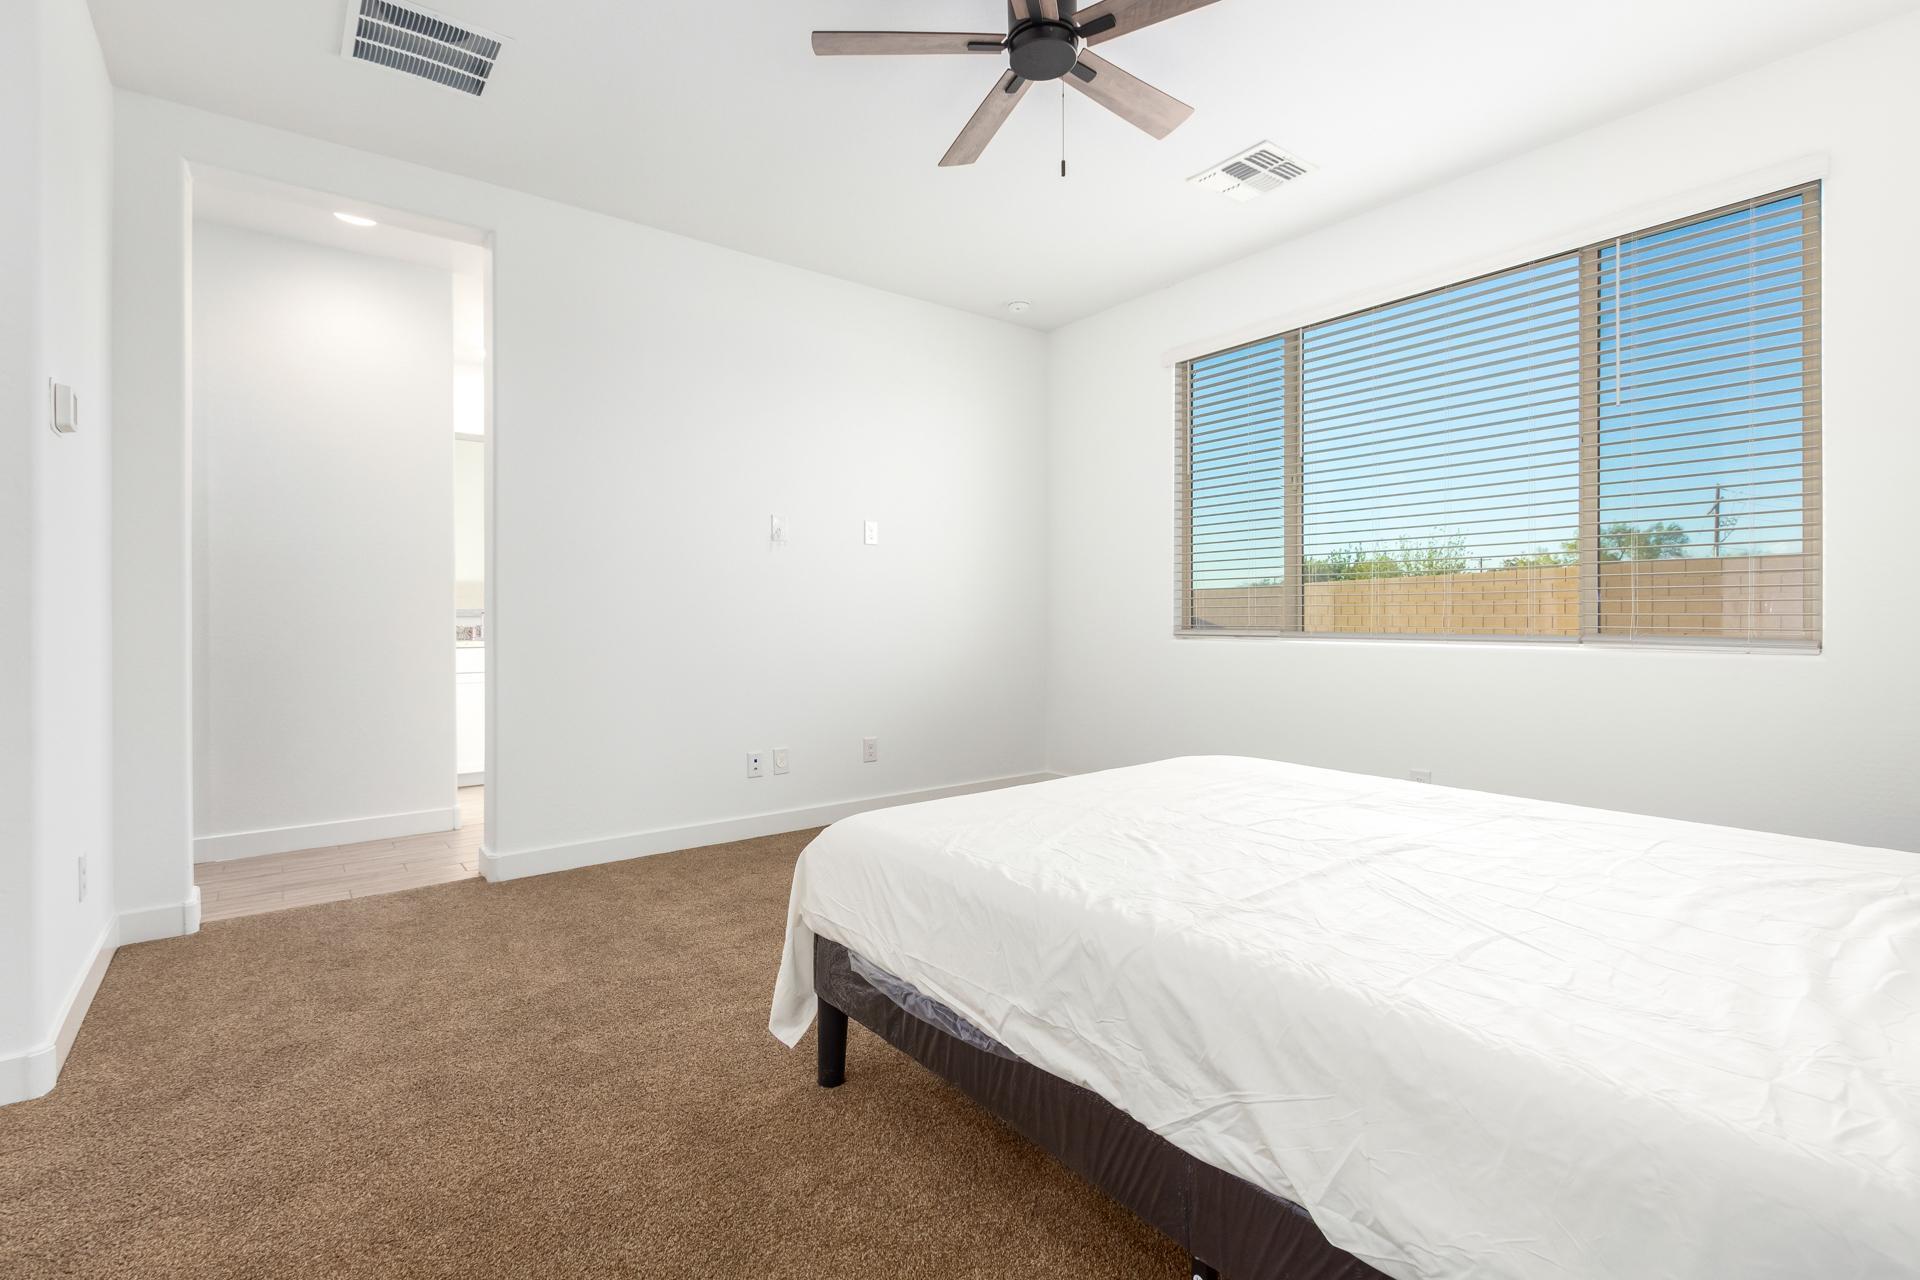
<point x="1475" y="1036"/>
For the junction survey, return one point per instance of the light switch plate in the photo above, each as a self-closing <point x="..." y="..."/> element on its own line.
<point x="65" y="408"/>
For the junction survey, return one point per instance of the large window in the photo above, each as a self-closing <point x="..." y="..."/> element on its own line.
<point x="1617" y="443"/>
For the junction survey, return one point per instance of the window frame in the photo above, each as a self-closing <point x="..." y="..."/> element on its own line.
<point x="1589" y="632"/>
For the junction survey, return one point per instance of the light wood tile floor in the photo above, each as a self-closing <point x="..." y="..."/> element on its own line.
<point x="247" y="886"/>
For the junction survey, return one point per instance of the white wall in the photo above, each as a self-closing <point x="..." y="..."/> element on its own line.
<point x="655" y="400"/>
<point x="469" y="354"/>
<point x="469" y="456"/>
<point x="1825" y="745"/>
<point x="55" y="570"/>
<point x="20" y="398"/>
<point x="323" y="572"/>
<point x="469" y="522"/>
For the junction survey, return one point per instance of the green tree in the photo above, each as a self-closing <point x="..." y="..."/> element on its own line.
<point x="1568" y="554"/>
<point x="1408" y="560"/>
<point x="1661" y="540"/>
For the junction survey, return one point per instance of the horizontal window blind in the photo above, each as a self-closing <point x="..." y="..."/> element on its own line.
<point x="1707" y="418"/>
<point x="1442" y="448"/>
<point x="1234" y="501"/>
<point x="1616" y="443"/>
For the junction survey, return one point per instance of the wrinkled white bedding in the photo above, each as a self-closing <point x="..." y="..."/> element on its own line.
<point x="1475" y="1036"/>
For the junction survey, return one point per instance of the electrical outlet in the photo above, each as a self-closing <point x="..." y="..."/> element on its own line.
<point x="869" y="750"/>
<point x="779" y="759"/>
<point x="777" y="533"/>
<point x="83" y="877"/>
<point x="873" y="533"/>
<point x="1421" y="775"/>
<point x="756" y="764"/>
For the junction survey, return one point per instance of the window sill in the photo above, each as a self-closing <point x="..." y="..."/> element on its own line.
<point x="1799" y="649"/>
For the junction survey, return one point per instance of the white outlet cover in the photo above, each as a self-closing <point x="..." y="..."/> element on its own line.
<point x="756" y="764"/>
<point x="779" y="759"/>
<point x="872" y="533"/>
<point x="870" y="750"/>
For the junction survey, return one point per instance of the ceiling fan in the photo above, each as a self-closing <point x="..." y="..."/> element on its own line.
<point x="1045" y="40"/>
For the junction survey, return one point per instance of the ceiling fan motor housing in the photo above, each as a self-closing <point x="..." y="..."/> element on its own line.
<point x="1042" y="50"/>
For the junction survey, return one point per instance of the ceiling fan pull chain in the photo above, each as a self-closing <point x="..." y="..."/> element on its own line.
<point x="1063" y="129"/>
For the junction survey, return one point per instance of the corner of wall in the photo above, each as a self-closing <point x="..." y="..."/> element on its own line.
<point x="58" y="157"/>
<point x="171" y="920"/>
<point x="34" y="1071"/>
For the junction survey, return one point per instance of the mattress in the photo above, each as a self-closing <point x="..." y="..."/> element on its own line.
<point x="1473" y="1035"/>
<point x="1227" y="1222"/>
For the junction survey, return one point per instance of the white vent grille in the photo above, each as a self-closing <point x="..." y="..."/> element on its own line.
<point x="420" y="43"/>
<point x="1254" y="172"/>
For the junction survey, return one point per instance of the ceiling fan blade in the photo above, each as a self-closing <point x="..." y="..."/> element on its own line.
<point x="1049" y="10"/>
<point x="986" y="122"/>
<point x="1131" y="15"/>
<point x="1130" y="98"/>
<point x="1022" y="10"/>
<point x="832" y="43"/>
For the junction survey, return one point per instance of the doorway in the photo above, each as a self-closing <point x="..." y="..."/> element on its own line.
<point x="340" y="405"/>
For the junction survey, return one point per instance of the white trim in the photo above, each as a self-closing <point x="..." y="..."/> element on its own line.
<point x="150" y="924"/>
<point x="497" y="867"/>
<point x="33" y="1072"/>
<point x="471" y="779"/>
<point x="386" y="826"/>
<point x="1621" y="222"/>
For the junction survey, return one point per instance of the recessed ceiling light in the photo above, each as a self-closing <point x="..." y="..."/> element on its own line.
<point x="1018" y="307"/>
<point x="355" y="220"/>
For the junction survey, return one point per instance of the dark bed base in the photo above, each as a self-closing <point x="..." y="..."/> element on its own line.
<point x="1222" y="1221"/>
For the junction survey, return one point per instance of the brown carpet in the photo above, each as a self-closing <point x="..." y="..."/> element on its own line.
<point x="562" y="1076"/>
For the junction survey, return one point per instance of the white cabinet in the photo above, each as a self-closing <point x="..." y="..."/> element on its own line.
<point x="470" y="712"/>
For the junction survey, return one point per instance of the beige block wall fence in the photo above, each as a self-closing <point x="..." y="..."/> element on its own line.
<point x="1772" y="597"/>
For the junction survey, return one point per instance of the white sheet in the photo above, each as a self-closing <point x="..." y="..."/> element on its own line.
<point x="1475" y="1036"/>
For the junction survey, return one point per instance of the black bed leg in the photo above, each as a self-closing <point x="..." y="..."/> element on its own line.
<point x="833" y="1046"/>
<point x="1200" y="1270"/>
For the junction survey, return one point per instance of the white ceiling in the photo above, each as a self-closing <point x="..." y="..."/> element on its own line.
<point x="715" y="120"/>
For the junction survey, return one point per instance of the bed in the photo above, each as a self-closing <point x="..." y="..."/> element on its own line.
<point x="1406" y="1030"/>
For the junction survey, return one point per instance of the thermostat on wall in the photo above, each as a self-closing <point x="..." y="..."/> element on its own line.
<point x="66" y="408"/>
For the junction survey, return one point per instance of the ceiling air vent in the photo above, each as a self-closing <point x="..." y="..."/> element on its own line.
<point x="421" y="43"/>
<point x="1254" y="172"/>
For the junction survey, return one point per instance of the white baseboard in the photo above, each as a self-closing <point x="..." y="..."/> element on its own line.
<point x="386" y="826"/>
<point x="31" y="1073"/>
<point x="34" y="1072"/>
<point x="567" y="857"/>
<point x="470" y="780"/>
<point x="150" y="924"/>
